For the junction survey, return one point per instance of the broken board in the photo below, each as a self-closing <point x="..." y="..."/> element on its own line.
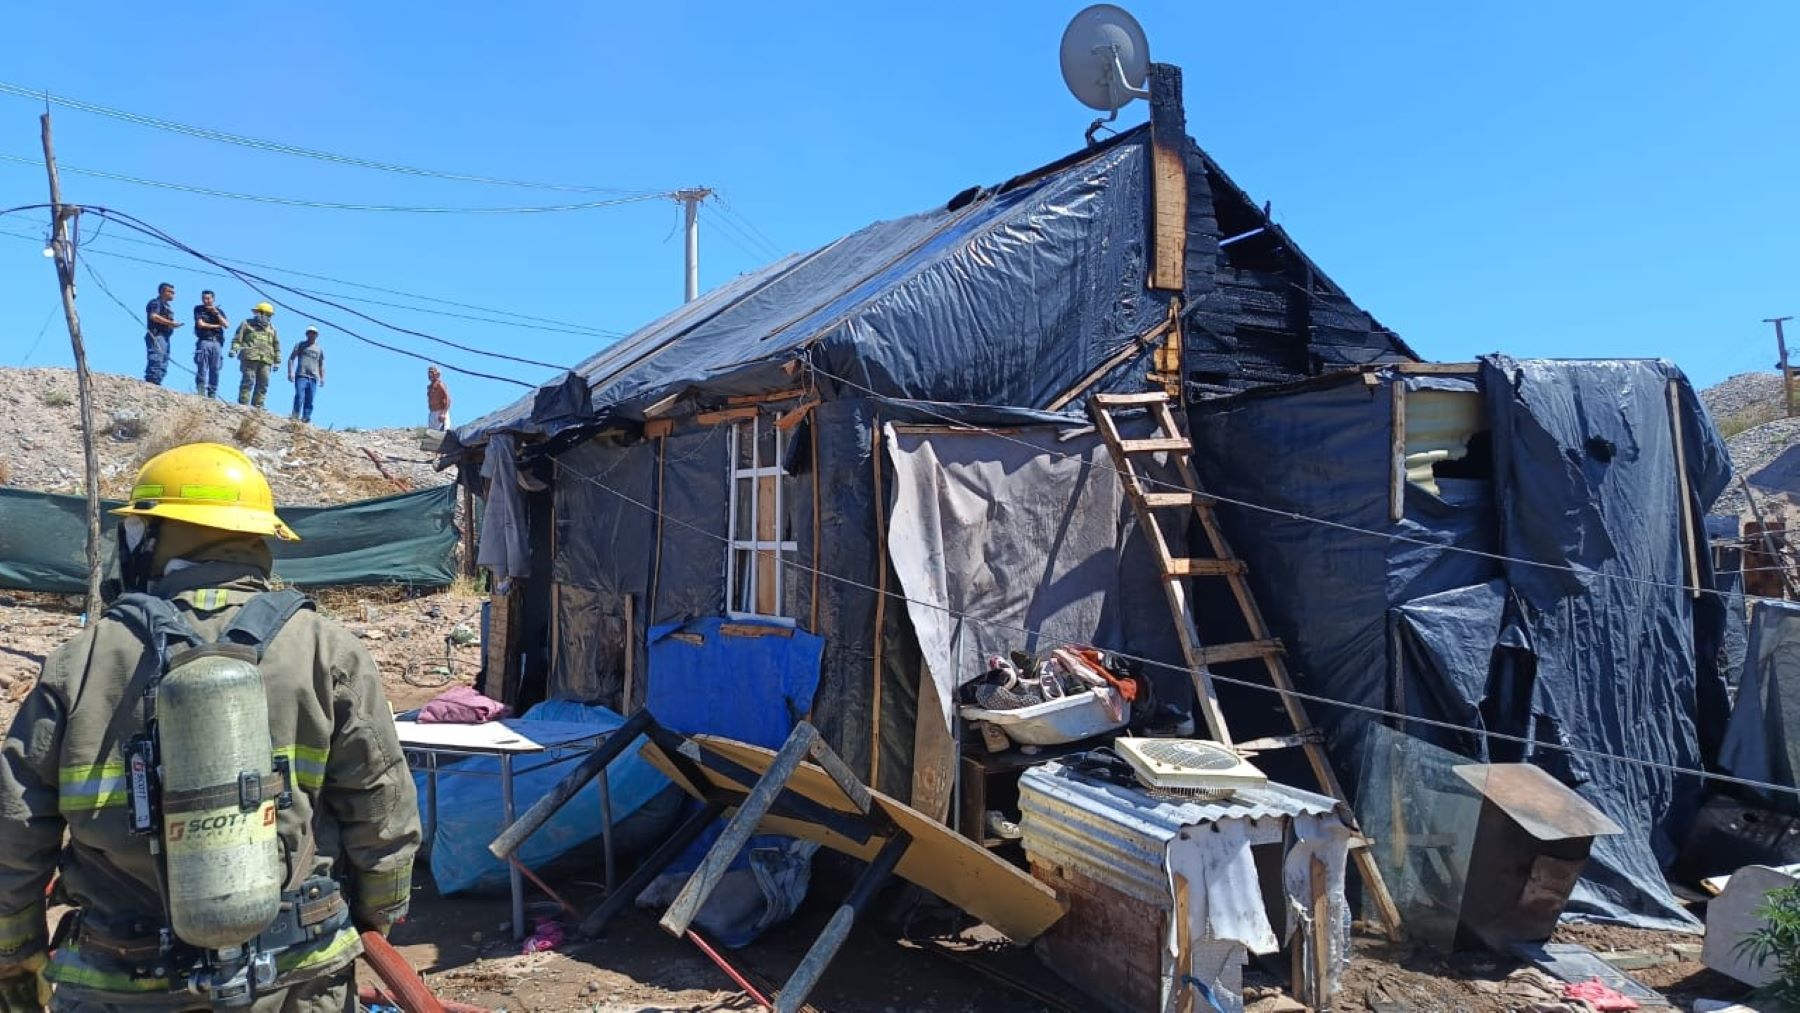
<point x="1572" y="962"/>
<point x="939" y="859"/>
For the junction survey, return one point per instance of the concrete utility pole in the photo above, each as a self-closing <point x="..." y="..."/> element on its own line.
<point x="691" y="199"/>
<point x="1787" y="371"/>
<point x="63" y="252"/>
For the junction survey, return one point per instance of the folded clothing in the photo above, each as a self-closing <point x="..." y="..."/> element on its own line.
<point x="462" y="706"/>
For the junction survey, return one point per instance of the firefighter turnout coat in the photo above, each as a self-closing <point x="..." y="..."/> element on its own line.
<point x="354" y="816"/>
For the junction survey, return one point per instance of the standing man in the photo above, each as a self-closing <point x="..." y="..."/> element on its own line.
<point x="437" y="400"/>
<point x="194" y="559"/>
<point x="257" y="348"/>
<point x="209" y="346"/>
<point x="306" y="367"/>
<point x="159" y="326"/>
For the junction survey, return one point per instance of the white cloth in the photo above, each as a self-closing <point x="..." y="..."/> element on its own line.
<point x="438" y="420"/>
<point x="1328" y="840"/>
<point x="1225" y="902"/>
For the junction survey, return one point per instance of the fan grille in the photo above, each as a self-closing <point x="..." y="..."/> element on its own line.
<point x="1193" y="755"/>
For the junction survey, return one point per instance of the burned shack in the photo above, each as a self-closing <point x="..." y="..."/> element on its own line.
<point x="752" y="452"/>
<point x="881" y="443"/>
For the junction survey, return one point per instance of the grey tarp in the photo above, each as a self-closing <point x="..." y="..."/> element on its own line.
<point x="1568" y="624"/>
<point x="1762" y="742"/>
<point x="410" y="538"/>
<point x="1020" y="531"/>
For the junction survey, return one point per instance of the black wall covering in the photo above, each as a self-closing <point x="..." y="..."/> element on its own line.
<point x="1584" y="636"/>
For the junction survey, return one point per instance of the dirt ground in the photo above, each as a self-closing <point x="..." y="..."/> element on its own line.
<point x="465" y="947"/>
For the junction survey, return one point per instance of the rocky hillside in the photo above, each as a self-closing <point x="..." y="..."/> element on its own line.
<point x="40" y="440"/>
<point x="1750" y="414"/>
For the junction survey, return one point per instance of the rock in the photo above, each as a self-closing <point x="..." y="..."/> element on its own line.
<point x="371" y="634"/>
<point x="1634" y="960"/>
<point x="591" y="987"/>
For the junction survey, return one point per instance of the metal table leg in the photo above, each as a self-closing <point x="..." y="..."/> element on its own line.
<point x="512" y="870"/>
<point x="606" y="827"/>
<point x="431" y="796"/>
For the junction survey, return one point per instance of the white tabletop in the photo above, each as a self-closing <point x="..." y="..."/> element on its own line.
<point x="512" y="735"/>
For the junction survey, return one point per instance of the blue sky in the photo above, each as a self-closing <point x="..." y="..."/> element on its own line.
<point x="1597" y="179"/>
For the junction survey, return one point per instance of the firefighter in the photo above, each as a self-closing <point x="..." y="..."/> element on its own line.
<point x="257" y="348"/>
<point x="194" y="557"/>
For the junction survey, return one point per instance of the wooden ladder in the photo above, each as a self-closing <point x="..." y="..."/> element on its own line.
<point x="1175" y="570"/>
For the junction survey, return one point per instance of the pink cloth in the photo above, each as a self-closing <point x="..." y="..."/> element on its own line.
<point x="1599" y="996"/>
<point x="461" y="706"/>
<point x="548" y="936"/>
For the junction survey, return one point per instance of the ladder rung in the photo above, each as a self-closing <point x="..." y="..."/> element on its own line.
<point x="1155" y="444"/>
<point x="1176" y="499"/>
<point x="1246" y="651"/>
<point x="1177" y="568"/>
<point x="1149" y="397"/>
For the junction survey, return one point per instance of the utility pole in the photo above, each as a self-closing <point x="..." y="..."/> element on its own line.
<point x="1787" y="371"/>
<point x="63" y="251"/>
<point x="691" y="198"/>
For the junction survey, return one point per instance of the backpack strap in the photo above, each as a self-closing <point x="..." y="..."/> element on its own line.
<point x="262" y="617"/>
<point x="156" y="620"/>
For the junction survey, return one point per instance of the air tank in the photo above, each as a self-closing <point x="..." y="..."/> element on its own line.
<point x="219" y="809"/>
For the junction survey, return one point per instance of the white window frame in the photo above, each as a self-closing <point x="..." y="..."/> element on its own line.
<point x="743" y="548"/>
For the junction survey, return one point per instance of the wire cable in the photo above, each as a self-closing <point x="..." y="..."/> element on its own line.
<point x="278" y="147"/>
<point x="1041" y="636"/>
<point x="1283" y="512"/>
<point x="517" y="320"/>
<point x="258" y="282"/>
<point x="207" y="191"/>
<point x="252" y="281"/>
<point x="95" y="275"/>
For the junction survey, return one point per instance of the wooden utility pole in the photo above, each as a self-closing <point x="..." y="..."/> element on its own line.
<point x="1787" y="371"/>
<point x="63" y="250"/>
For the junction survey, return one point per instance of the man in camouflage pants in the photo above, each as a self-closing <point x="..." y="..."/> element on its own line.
<point x="257" y="349"/>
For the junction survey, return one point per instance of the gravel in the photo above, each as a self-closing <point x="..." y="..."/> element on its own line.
<point x="40" y="440"/>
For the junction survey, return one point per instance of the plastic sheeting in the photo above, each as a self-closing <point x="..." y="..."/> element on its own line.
<point x="1006" y="295"/>
<point x="1027" y="530"/>
<point x="1570" y="623"/>
<point x="749" y="680"/>
<point x="410" y="538"/>
<point x="470" y="814"/>
<point x="1762" y="742"/>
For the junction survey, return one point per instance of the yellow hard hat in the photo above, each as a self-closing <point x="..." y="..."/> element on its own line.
<point x="210" y="485"/>
<point x="263" y="307"/>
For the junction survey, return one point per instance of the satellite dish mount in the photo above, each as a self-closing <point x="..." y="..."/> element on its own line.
<point x="1105" y="61"/>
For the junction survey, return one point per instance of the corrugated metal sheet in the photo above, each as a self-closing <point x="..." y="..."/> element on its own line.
<point x="1118" y="835"/>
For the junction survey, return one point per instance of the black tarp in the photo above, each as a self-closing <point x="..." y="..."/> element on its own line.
<point x="1567" y="623"/>
<point x="1006" y="295"/>
<point x="409" y="538"/>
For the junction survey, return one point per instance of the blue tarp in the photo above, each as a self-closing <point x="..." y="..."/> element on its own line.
<point x="750" y="680"/>
<point x="1569" y="624"/>
<point x="470" y="814"/>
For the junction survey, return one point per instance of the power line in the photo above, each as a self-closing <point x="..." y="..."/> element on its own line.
<point x="773" y="247"/>
<point x="338" y="206"/>
<point x="1293" y="515"/>
<point x="502" y="317"/>
<point x="1041" y="636"/>
<point x="138" y="224"/>
<point x="278" y="147"/>
<point x="257" y="284"/>
<point x="95" y="274"/>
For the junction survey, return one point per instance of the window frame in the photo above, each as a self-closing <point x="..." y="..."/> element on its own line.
<point x="747" y="554"/>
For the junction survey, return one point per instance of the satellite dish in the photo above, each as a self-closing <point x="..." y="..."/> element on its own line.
<point x="1105" y="58"/>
